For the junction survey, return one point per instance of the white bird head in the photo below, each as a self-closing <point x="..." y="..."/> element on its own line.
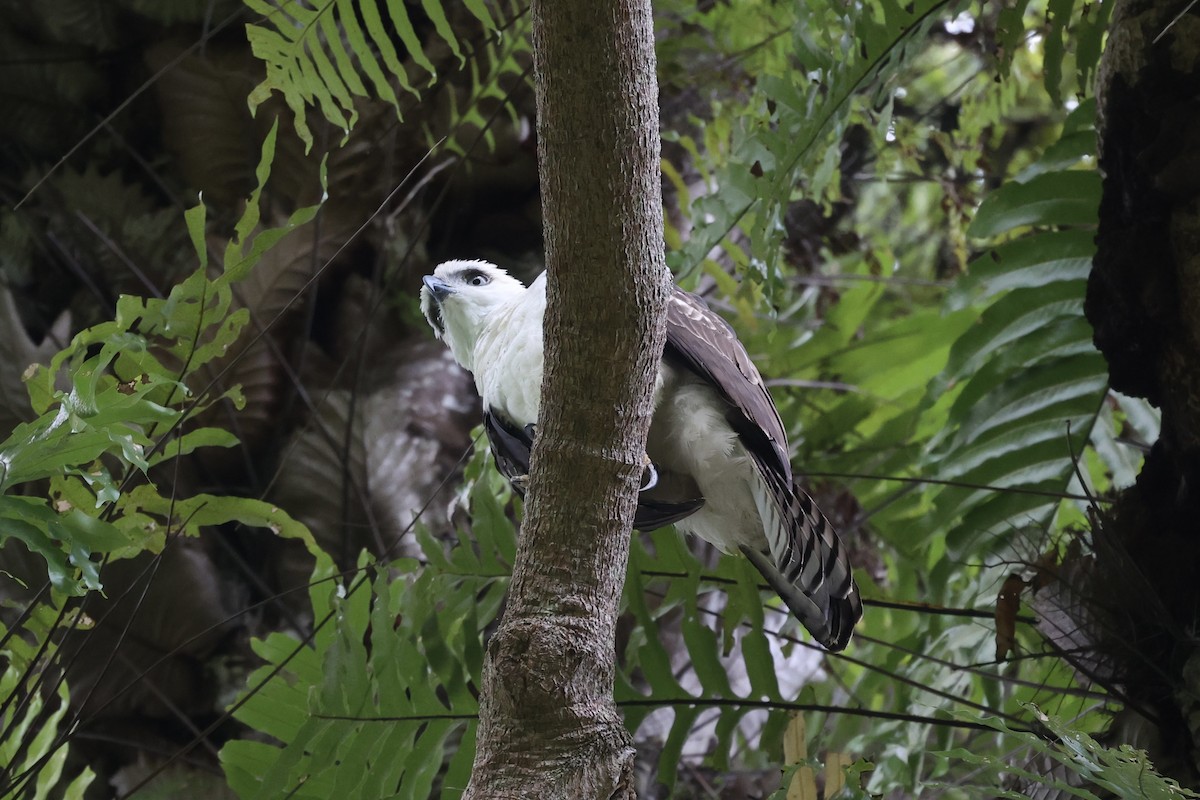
<point x="459" y="298"/>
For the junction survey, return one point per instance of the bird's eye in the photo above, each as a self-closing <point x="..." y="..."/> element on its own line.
<point x="478" y="280"/>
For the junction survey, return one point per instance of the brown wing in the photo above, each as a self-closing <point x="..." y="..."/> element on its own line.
<point x="510" y="447"/>
<point x="706" y="345"/>
<point x="803" y="560"/>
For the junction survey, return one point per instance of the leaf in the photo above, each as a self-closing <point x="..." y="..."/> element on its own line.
<point x="375" y="701"/>
<point x="203" y="510"/>
<point x="32" y="746"/>
<point x="311" y="54"/>
<point x="192" y="441"/>
<point x="433" y="8"/>
<point x="702" y="647"/>
<point x="1011" y="319"/>
<point x="1123" y="770"/>
<point x="1025" y="263"/>
<point x="1058" y="14"/>
<point x="669" y="758"/>
<point x="1054" y="198"/>
<point x="755" y="649"/>
<point x="1008" y="604"/>
<point x="648" y="652"/>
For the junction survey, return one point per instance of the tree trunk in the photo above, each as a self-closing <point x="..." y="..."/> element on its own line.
<point x="1144" y="303"/>
<point x="548" y="725"/>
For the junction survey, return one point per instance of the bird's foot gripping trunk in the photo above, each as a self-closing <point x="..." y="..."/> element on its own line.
<point x="511" y="445"/>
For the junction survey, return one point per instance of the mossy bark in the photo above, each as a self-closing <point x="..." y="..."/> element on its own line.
<point x="1144" y="303"/>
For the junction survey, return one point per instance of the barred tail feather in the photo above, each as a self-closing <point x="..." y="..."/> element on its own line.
<point x="805" y="564"/>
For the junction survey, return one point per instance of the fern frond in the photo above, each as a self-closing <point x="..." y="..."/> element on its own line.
<point x="1072" y="763"/>
<point x="1029" y="383"/>
<point x="378" y="704"/>
<point x="30" y="740"/>
<point x="382" y="702"/>
<point x="320" y="54"/>
<point x="701" y="674"/>
<point x="498" y="67"/>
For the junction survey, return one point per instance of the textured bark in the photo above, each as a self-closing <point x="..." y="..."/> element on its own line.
<point x="548" y="725"/>
<point x="1144" y="303"/>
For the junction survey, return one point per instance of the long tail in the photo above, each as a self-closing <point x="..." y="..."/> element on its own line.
<point x="806" y="566"/>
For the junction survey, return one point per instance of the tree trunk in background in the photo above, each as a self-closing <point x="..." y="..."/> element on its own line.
<point x="548" y="726"/>
<point x="1144" y="303"/>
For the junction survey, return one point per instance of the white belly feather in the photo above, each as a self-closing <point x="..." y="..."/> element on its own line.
<point x="508" y="358"/>
<point x="689" y="435"/>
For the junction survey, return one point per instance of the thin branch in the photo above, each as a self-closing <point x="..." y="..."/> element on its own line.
<point x="929" y="608"/>
<point x="960" y="484"/>
<point x="899" y="605"/>
<point x="975" y="670"/>
<point x="716" y="702"/>
<point x="1174" y="20"/>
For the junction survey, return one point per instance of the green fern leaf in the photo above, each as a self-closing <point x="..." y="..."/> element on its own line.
<point x="1070" y="197"/>
<point x="376" y="706"/>
<point x="648" y="654"/>
<point x="1029" y="384"/>
<point x="408" y="35"/>
<point x="702" y="647"/>
<point x="436" y="13"/>
<point x="681" y="729"/>
<point x="375" y="28"/>
<point x="31" y="750"/>
<point x="322" y="56"/>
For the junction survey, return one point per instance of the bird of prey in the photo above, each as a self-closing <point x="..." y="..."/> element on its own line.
<point x="716" y="443"/>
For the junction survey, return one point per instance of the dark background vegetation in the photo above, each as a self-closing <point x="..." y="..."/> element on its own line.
<point x="896" y="207"/>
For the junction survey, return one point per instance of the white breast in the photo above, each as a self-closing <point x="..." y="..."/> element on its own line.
<point x="508" y="357"/>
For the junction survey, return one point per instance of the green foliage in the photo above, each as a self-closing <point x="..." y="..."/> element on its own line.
<point x="81" y="480"/>
<point x="131" y="389"/>
<point x="30" y="718"/>
<point x="1028" y="384"/>
<point x="936" y="310"/>
<point x="319" y="54"/>
<point x="381" y="701"/>
<point x="992" y="386"/>
<point x="670" y="596"/>
<point x="816" y="65"/>
<point x="498" y="64"/>
<point x="1009" y="411"/>
<point x="1055" y="22"/>
<point x="386" y="686"/>
<point x="1122" y="770"/>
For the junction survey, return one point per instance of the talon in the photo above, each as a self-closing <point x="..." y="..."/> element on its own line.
<point x="521" y="482"/>
<point x="649" y="474"/>
<point x="531" y="430"/>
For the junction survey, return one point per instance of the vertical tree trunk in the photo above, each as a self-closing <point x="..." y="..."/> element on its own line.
<point x="548" y="726"/>
<point x="1144" y="303"/>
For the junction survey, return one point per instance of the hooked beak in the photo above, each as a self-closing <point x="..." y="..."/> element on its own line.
<point x="437" y="287"/>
